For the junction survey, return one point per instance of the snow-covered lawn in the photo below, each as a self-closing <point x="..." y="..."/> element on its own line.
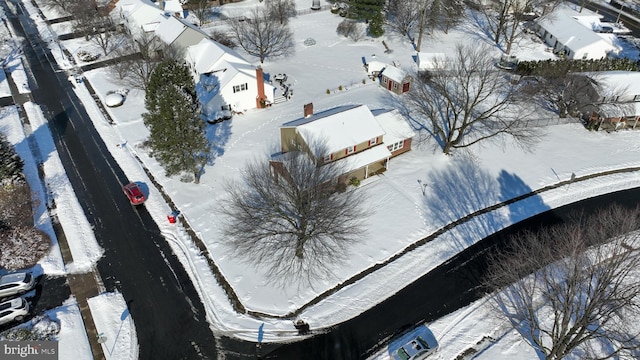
<point x="403" y="210"/>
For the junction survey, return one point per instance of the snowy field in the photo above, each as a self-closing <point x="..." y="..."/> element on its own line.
<point x="457" y="186"/>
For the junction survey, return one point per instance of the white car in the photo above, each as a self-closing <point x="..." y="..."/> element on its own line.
<point x="13" y="310"/>
<point x="16" y="283"/>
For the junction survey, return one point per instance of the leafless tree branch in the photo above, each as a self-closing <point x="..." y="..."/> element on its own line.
<point x="288" y="218"/>
<point x="262" y="36"/>
<point x="466" y="100"/>
<point x="573" y="287"/>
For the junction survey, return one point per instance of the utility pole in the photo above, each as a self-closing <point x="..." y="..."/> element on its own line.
<point x="422" y="18"/>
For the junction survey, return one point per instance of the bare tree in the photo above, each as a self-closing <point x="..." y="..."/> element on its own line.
<point x="466" y="100"/>
<point x="59" y="5"/>
<point x="94" y="23"/>
<point x="281" y="10"/>
<point x="403" y="16"/>
<point x="505" y="18"/>
<point x="442" y="14"/>
<point x="139" y="55"/>
<point x="223" y="38"/>
<point x="559" y="88"/>
<point x="262" y="36"/>
<point x="351" y="29"/>
<point x="201" y="9"/>
<point x="288" y="218"/>
<point x="572" y="288"/>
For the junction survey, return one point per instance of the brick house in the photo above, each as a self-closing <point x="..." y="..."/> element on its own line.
<point x="361" y="141"/>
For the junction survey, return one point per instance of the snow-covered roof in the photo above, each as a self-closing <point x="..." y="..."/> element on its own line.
<point x="619" y="82"/>
<point x="394" y="73"/>
<point x="429" y="60"/>
<point x="395" y="126"/>
<point x="369" y="156"/>
<point x="173" y="7"/>
<point x="339" y="127"/>
<point x="568" y="31"/>
<point x="139" y="12"/>
<point x="207" y="54"/>
<point x="171" y="27"/>
<point x="375" y="66"/>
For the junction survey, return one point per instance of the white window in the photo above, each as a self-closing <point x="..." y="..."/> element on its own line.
<point x="241" y="87"/>
<point x="327" y="158"/>
<point x="373" y="141"/>
<point x="350" y="150"/>
<point x="396" y="146"/>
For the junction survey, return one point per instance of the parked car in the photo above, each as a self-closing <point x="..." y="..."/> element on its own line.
<point x="417" y="344"/>
<point x="134" y="193"/>
<point x="16" y="283"/>
<point x="13" y="310"/>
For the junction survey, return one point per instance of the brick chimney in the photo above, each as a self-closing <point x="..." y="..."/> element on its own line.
<point x="308" y="109"/>
<point x="260" y="82"/>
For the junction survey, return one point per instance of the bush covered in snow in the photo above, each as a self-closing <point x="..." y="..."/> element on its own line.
<point x="22" y="247"/>
<point x="87" y="56"/>
<point x="41" y="328"/>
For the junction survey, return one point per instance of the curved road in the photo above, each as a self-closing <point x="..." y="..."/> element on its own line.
<point x="165" y="307"/>
<point x="447" y="288"/>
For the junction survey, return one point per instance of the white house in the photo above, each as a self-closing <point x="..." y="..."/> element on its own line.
<point x="178" y="33"/>
<point x="139" y="15"/>
<point x="226" y="79"/>
<point x="565" y="34"/>
<point x="174" y="8"/>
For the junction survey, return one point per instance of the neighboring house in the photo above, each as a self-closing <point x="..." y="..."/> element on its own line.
<point x="395" y="79"/>
<point x="227" y="81"/>
<point x="350" y="134"/>
<point x="429" y="61"/>
<point x="618" y="100"/>
<point x="565" y="34"/>
<point x="174" y="8"/>
<point x="139" y="15"/>
<point x="178" y="33"/>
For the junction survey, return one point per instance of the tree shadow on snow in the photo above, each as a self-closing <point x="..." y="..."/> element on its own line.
<point x="461" y="195"/>
<point x="511" y="187"/>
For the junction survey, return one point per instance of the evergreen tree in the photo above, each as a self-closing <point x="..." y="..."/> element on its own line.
<point x="375" y="25"/>
<point x="10" y="163"/>
<point x="365" y="9"/>
<point x="177" y="132"/>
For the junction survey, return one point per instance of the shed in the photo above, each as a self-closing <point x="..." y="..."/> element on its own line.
<point x="395" y="79"/>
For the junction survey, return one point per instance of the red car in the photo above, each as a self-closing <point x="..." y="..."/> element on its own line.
<point x="133" y="192"/>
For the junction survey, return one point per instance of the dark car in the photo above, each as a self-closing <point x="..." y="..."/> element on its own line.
<point x="133" y="192"/>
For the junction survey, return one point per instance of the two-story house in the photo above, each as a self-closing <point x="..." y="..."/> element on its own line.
<point x="351" y="135"/>
<point x="226" y="79"/>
